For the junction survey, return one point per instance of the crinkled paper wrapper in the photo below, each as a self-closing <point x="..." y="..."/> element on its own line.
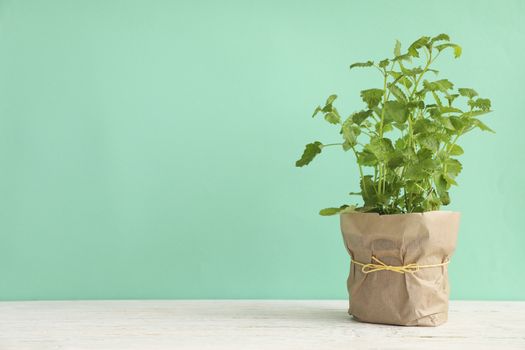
<point x="409" y="299"/>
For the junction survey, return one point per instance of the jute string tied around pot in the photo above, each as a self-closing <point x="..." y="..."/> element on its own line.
<point x="381" y="266"/>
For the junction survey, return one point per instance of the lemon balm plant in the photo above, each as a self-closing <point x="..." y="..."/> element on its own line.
<point x="405" y="142"/>
<point x="405" y="139"/>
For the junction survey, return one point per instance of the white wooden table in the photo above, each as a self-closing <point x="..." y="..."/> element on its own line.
<point x="273" y="325"/>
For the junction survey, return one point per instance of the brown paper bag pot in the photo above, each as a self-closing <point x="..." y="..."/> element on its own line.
<point x="418" y="298"/>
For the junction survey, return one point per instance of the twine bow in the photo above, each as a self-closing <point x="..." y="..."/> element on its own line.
<point x="381" y="266"/>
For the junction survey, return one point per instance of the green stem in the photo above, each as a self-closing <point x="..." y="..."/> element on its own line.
<point x="360" y="172"/>
<point x="333" y="144"/>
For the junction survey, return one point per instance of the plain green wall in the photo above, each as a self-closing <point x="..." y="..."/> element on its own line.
<point x="147" y="147"/>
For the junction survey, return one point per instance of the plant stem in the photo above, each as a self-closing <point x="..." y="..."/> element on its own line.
<point x="360" y="172"/>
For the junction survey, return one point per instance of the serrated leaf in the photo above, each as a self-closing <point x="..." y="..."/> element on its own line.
<point x="381" y="148"/>
<point x="412" y="71"/>
<point x="384" y="63"/>
<point x="440" y="37"/>
<point x="361" y="64"/>
<point x="404" y="57"/>
<point x="439" y="85"/>
<point x="310" y="151"/>
<point x="475" y="113"/>
<point x="332" y="117"/>
<point x="451" y="98"/>
<point x="448" y="109"/>
<point x="440" y="182"/>
<point x="416" y="45"/>
<point x="428" y="141"/>
<point x="361" y="116"/>
<point x="449" y="180"/>
<point x="350" y="133"/>
<point x="395" y="110"/>
<point x="395" y="160"/>
<point x="457" y="48"/>
<point x="453" y="166"/>
<point x="470" y="93"/>
<point x="481" y="103"/>
<point x="456" y="150"/>
<point x="366" y="158"/>
<point x="372" y="97"/>
<point x="424" y="126"/>
<point x="400" y="78"/>
<point x="481" y="125"/>
<point x="416" y="104"/>
<point x="397" y="92"/>
<point x="446" y="123"/>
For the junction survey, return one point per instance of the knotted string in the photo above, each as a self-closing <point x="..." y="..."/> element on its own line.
<point x="381" y="266"/>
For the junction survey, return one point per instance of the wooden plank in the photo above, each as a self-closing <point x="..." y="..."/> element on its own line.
<point x="273" y="325"/>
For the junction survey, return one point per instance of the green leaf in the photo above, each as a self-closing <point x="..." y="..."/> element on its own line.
<point x="381" y="148"/>
<point x="372" y="97"/>
<point x="424" y="126"/>
<point x="451" y="98"/>
<point x="397" y="49"/>
<point x="310" y="151"/>
<point x="475" y="113"/>
<point x="395" y="110"/>
<point x="384" y="63"/>
<point x="439" y="85"/>
<point x="481" y="125"/>
<point x="447" y="124"/>
<point x="404" y="57"/>
<point x="440" y="37"/>
<point x="330" y="99"/>
<point x="481" y="103"/>
<point x="362" y="64"/>
<point x="333" y="211"/>
<point x="453" y="166"/>
<point x="457" y="48"/>
<point x="327" y="108"/>
<point x="397" y="92"/>
<point x="448" y="109"/>
<point x="329" y="211"/>
<point x="450" y="180"/>
<point x="458" y="123"/>
<point x="317" y="110"/>
<point x="350" y="133"/>
<point x="368" y="190"/>
<point x="416" y="45"/>
<point x="428" y="141"/>
<point x="470" y="93"/>
<point x="333" y="117"/>
<point x="366" y="158"/>
<point x="412" y="72"/>
<point x="396" y="159"/>
<point x="455" y="150"/>
<point x="361" y="116"/>
<point x="400" y="78"/>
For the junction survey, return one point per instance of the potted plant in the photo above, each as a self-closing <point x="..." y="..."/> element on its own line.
<point x="405" y="143"/>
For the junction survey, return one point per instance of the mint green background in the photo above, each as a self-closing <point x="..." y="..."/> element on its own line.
<point x="147" y="147"/>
